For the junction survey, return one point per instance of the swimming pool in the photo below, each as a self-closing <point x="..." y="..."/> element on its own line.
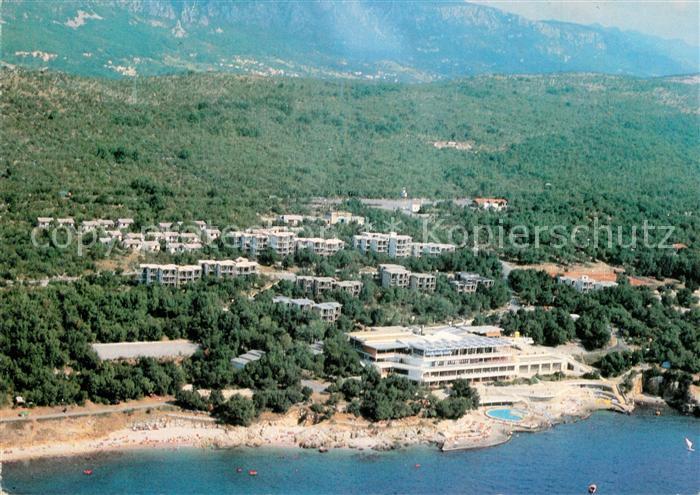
<point x="513" y="415"/>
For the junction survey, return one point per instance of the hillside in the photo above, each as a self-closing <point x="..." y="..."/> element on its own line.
<point x="224" y="147"/>
<point x="366" y="39"/>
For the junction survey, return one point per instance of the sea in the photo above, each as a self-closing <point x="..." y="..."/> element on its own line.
<point x="637" y="454"/>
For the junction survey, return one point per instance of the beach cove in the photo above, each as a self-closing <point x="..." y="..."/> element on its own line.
<point x="539" y="407"/>
<point x="621" y="454"/>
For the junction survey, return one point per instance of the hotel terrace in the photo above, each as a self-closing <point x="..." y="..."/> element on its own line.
<point x="437" y="356"/>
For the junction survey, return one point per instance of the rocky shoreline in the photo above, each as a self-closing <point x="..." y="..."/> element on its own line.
<point x="167" y="429"/>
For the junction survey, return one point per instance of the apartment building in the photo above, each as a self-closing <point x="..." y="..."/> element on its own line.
<point x="254" y="241"/>
<point x="320" y="246"/>
<point x="176" y="275"/>
<point x="319" y="285"/>
<point x="393" y="276"/>
<point x="424" y="282"/>
<point x="65" y="222"/>
<point x="240" y="267"/>
<point x="343" y="217"/>
<point x="352" y="287"/>
<point x="282" y="242"/>
<point x="327" y="311"/>
<point x="585" y="283"/>
<point x="150" y="246"/>
<point x="437" y="356"/>
<point x="496" y="204"/>
<point x="290" y="219"/>
<point x="124" y="223"/>
<point x="211" y="234"/>
<point x="44" y="222"/>
<point x="316" y="285"/>
<point x="468" y="283"/>
<point x="182" y="247"/>
<point x="299" y="303"/>
<point x="393" y="244"/>
<point x="93" y="225"/>
<point x="171" y="275"/>
<point x="420" y="249"/>
<point x="189" y="237"/>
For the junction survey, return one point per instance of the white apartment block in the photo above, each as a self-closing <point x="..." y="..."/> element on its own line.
<point x="211" y="234"/>
<point x="327" y="311"/>
<point x="393" y="244"/>
<point x="585" y="283"/>
<point x="281" y="242"/>
<point x="44" y="222"/>
<point x="170" y="275"/>
<point x="124" y="223"/>
<point x="65" y="222"/>
<point x="352" y="287"/>
<point x="150" y="246"/>
<point x="420" y="249"/>
<point x="343" y="217"/>
<point x="319" y="285"/>
<point x="424" y="282"/>
<point x="240" y="267"/>
<point x="468" y="283"/>
<point x="290" y="219"/>
<point x="182" y="247"/>
<point x="435" y="357"/>
<point x="299" y="303"/>
<point x="316" y="285"/>
<point x="320" y="246"/>
<point x="92" y="225"/>
<point x="176" y="275"/>
<point x="394" y="276"/>
<point x="496" y="204"/>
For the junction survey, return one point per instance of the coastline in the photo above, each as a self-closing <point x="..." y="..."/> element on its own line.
<point x="88" y="435"/>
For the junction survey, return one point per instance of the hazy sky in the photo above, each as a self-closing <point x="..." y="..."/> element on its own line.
<point x="668" y="19"/>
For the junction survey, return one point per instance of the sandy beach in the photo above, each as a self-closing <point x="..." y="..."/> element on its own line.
<point x="541" y="405"/>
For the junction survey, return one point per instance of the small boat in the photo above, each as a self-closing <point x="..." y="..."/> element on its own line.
<point x="239" y="470"/>
<point x="87" y="472"/>
<point x="689" y="444"/>
<point x="417" y="466"/>
<point x="252" y="472"/>
<point x="592" y="488"/>
<point x="323" y="450"/>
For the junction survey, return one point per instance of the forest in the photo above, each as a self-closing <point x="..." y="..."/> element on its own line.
<point x="571" y="149"/>
<point x="565" y="150"/>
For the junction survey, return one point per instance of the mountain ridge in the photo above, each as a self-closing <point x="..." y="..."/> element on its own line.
<point x="363" y="39"/>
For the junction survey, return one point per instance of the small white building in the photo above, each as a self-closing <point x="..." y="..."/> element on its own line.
<point x="124" y="223"/>
<point x="44" y="222"/>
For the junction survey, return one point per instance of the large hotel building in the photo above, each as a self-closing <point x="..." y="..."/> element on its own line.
<point x="437" y="356"/>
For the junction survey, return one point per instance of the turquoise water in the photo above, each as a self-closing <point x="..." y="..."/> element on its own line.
<point x="621" y="454"/>
<point x="505" y="414"/>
